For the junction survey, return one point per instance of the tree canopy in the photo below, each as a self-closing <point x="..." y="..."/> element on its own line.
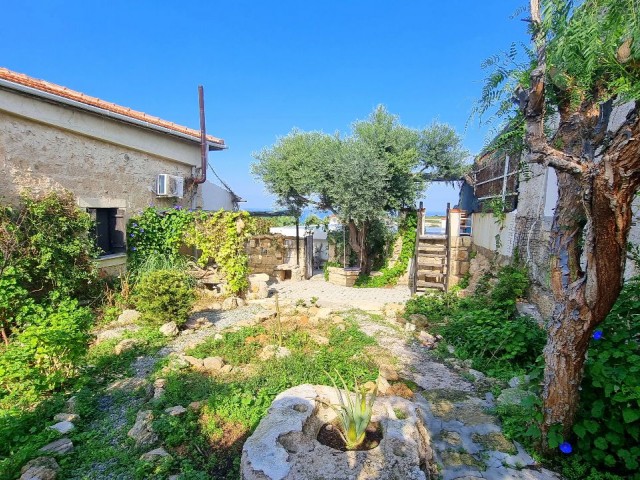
<point x="381" y="166"/>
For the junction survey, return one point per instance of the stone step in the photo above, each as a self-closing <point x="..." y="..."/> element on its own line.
<point x="421" y="284"/>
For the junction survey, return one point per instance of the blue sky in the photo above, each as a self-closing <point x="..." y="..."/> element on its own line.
<point x="268" y="66"/>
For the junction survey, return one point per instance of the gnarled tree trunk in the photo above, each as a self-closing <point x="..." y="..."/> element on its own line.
<point x="598" y="176"/>
<point x="358" y="242"/>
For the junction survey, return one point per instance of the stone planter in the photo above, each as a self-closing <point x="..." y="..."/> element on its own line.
<point x="345" y="277"/>
<point x="285" y="445"/>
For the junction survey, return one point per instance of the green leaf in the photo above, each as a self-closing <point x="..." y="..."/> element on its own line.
<point x="601" y="443"/>
<point x="597" y="409"/>
<point x="630" y="414"/>
<point x="591" y="426"/>
<point x="579" y="430"/>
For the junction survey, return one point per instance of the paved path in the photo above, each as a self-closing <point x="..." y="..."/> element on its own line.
<point x="337" y="297"/>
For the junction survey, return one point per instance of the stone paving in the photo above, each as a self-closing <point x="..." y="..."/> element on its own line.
<point x="339" y="297"/>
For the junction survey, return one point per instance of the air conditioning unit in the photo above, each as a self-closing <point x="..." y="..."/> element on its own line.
<point x="169" y="186"/>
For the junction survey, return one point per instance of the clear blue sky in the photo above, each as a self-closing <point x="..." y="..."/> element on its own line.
<point x="268" y="66"/>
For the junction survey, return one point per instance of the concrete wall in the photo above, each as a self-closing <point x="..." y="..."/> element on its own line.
<point x="486" y="228"/>
<point x="215" y="198"/>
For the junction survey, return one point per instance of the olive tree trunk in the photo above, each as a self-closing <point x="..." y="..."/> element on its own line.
<point x="598" y="174"/>
<point x="358" y="243"/>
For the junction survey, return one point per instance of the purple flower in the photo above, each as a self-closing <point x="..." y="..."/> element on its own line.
<point x="134" y="248"/>
<point x="597" y="335"/>
<point x="178" y="207"/>
<point x="566" y="448"/>
<point x="142" y="230"/>
<point x="135" y="224"/>
<point x="131" y="235"/>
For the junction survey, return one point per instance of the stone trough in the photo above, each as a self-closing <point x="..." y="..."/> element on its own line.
<point x="285" y="445"/>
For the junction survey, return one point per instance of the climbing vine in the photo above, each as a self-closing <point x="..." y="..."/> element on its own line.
<point x="221" y="237"/>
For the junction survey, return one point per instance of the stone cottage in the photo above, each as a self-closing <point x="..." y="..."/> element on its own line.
<point x="115" y="160"/>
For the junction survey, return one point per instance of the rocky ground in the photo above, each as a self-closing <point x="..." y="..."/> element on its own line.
<point x="466" y="439"/>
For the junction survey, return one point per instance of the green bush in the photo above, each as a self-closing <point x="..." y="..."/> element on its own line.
<point x="608" y="422"/>
<point x="45" y="352"/>
<point x="156" y="233"/>
<point x="433" y="305"/>
<point x="164" y="296"/>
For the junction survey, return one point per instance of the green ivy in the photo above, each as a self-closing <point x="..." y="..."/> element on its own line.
<point x="389" y="275"/>
<point x="157" y="233"/>
<point x="221" y="237"/>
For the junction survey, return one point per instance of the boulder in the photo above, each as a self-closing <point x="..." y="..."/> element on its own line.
<point x="196" y="406"/>
<point x="388" y="372"/>
<point x="154" y="455"/>
<point x="231" y="303"/>
<point x="213" y="363"/>
<point x="193" y="361"/>
<point x="169" y="329"/>
<point x="409" y="327"/>
<point x="66" y="417"/>
<point x="516" y="382"/>
<point x="383" y="385"/>
<point x="126" y="345"/>
<point x="393" y="309"/>
<point x="258" y="287"/>
<point x="226" y="368"/>
<point x="63" y="427"/>
<point x="128" y="316"/>
<point x="142" y="431"/>
<point x="418" y="319"/>
<point x="176" y="411"/>
<point x="41" y="468"/>
<point x="160" y="383"/>
<point x="71" y="404"/>
<point x="284" y="446"/>
<point x="198" y="323"/>
<point x="59" y="447"/>
<point x="271" y="351"/>
<point x="476" y="374"/>
<point x="265" y="316"/>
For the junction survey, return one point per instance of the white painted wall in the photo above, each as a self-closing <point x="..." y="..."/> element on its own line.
<point x="486" y="228"/>
<point x="215" y="197"/>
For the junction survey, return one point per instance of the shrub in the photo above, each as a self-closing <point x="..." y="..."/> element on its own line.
<point x="156" y="233"/>
<point x="608" y="422"/>
<point x="46" y="352"/>
<point x="164" y="295"/>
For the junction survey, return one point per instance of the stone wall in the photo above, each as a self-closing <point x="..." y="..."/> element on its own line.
<point x="275" y="255"/>
<point x="40" y="158"/>
<point x="459" y="259"/>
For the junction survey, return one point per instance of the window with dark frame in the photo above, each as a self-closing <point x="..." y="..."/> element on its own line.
<point x="109" y="229"/>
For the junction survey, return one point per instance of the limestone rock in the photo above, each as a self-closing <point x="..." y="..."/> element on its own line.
<point x="193" y="361"/>
<point x="213" y="363"/>
<point x="160" y="383"/>
<point x="128" y="316"/>
<point x="409" y="327"/>
<point x="169" y="329"/>
<point x="516" y="382"/>
<point x="175" y="411"/>
<point x="265" y="316"/>
<point x="393" y="309"/>
<point x="418" y="319"/>
<point x="41" y="468"/>
<point x="320" y="340"/>
<point x="66" y="417"/>
<point x="198" y="323"/>
<point x="270" y="351"/>
<point x="476" y="374"/>
<point x="142" y="431"/>
<point x="231" y="303"/>
<point x="71" y="404"/>
<point x="63" y="427"/>
<point x="60" y="447"/>
<point x="215" y="306"/>
<point x="154" y="455"/>
<point x="284" y="444"/>
<point x="388" y="372"/>
<point x="383" y="385"/>
<point x="258" y="287"/>
<point x="226" y="368"/>
<point x="126" y="345"/>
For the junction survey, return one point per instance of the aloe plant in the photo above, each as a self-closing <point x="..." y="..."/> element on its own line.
<point x="354" y="412"/>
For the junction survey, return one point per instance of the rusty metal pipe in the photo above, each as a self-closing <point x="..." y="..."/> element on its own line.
<point x="204" y="147"/>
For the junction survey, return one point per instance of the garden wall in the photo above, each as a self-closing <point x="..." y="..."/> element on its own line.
<point x="275" y="255"/>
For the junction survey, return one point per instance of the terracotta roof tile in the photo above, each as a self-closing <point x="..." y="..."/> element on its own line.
<point x="52" y="88"/>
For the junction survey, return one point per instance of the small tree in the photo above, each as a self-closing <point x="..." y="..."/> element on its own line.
<point x="380" y="168"/>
